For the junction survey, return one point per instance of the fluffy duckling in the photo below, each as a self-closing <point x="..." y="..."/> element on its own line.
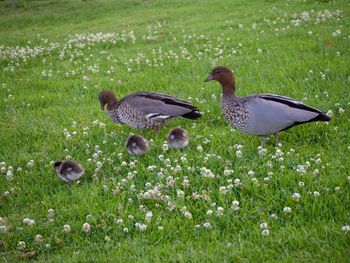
<point x="261" y="114"/>
<point x="68" y="170"/>
<point x="178" y="138"/>
<point x="146" y="110"/>
<point x="137" y="144"/>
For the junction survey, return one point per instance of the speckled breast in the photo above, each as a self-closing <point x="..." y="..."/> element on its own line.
<point x="235" y="112"/>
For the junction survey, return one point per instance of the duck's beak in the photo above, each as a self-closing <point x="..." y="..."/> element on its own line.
<point x="102" y="106"/>
<point x="210" y="77"/>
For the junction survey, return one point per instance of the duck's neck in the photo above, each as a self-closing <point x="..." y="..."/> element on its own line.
<point x="228" y="91"/>
<point x="228" y="86"/>
<point x="113" y="104"/>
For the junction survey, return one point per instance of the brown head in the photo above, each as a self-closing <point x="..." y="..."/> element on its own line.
<point x="106" y="97"/>
<point x="225" y="77"/>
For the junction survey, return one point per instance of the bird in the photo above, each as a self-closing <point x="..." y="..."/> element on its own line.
<point x="68" y="170"/>
<point x="178" y="138"/>
<point x="261" y="114"/>
<point x="136" y="144"/>
<point x="146" y="110"/>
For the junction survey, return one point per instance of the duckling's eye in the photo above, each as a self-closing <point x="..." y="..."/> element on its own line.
<point x="217" y="71"/>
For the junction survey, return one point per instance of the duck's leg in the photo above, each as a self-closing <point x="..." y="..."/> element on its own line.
<point x="277" y="140"/>
<point x="263" y="141"/>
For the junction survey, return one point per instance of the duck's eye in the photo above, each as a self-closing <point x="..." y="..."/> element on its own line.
<point x="217" y="71"/>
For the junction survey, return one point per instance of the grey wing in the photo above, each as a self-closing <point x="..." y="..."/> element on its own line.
<point x="158" y="105"/>
<point x="269" y="113"/>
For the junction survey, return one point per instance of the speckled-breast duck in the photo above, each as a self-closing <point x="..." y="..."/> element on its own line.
<point x="261" y="114"/>
<point x="146" y="110"/>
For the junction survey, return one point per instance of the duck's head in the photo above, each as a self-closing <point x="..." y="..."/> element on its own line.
<point x="137" y="144"/>
<point x="57" y="165"/>
<point x="224" y="76"/>
<point x="107" y="97"/>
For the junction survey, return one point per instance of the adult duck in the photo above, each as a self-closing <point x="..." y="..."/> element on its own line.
<point x="146" y="110"/>
<point x="261" y="114"/>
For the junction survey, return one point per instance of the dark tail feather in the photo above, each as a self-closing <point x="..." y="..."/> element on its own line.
<point x="193" y="115"/>
<point x="322" y="117"/>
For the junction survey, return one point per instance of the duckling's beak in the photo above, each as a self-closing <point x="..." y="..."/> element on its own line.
<point x="210" y="77"/>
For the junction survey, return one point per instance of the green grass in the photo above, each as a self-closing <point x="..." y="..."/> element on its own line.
<point x="41" y="96"/>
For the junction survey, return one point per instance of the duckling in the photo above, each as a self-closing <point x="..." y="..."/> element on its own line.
<point x="136" y="144"/>
<point x="178" y="138"/>
<point x="68" y="170"/>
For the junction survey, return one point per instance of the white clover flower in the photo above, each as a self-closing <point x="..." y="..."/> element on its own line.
<point x="341" y="110"/>
<point x="228" y="172"/>
<point x="346" y="228"/>
<point x="30" y="164"/>
<point x="316" y="194"/>
<point x="302" y="184"/>
<point x="187" y="214"/>
<point x="274" y="216"/>
<point x="107" y="238"/>
<point x="199" y="148"/>
<point x="21" y="245"/>
<point x="86" y="227"/>
<point x="265" y="232"/>
<point x="219" y="211"/>
<point x="149" y="216"/>
<point x="239" y="153"/>
<point x="235" y="205"/>
<point x="185" y="183"/>
<point x="50" y="213"/>
<point x="209" y="212"/>
<point x="287" y="210"/>
<point x="66" y="229"/>
<point x="119" y="221"/>
<point x="38" y="238"/>
<point x="125" y="230"/>
<point x="251" y="173"/>
<point x="223" y="190"/>
<point x="207" y="225"/>
<point x="142" y="227"/>
<point x="263" y="226"/>
<point x="180" y="193"/>
<point x="296" y="196"/>
<point x="165" y="147"/>
<point x="31" y="223"/>
<point x="3" y="229"/>
<point x="329" y="113"/>
<point x="237" y="182"/>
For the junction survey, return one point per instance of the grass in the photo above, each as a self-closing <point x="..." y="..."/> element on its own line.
<point x="170" y="46"/>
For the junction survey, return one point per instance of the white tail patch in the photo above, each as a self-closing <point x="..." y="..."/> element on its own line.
<point x="157" y="116"/>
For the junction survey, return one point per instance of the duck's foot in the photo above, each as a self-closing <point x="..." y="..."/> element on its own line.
<point x="277" y="140"/>
<point x="263" y="141"/>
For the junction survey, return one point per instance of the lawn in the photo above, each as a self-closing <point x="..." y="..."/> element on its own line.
<point x="221" y="199"/>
